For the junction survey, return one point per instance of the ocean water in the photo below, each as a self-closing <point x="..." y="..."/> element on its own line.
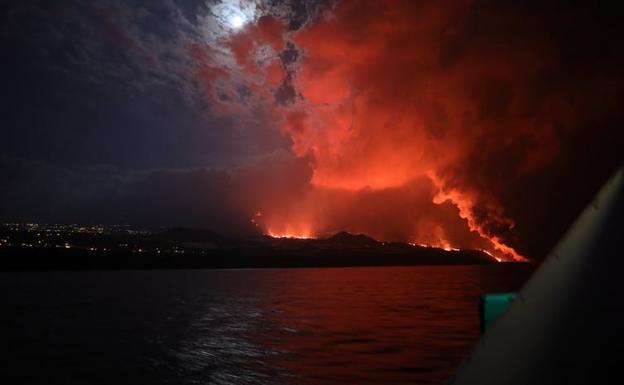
<point x="395" y="325"/>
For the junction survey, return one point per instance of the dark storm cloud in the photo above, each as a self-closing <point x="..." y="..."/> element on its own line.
<point x="106" y="116"/>
<point x="116" y="83"/>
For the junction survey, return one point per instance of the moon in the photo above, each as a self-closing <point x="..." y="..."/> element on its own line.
<point x="236" y="21"/>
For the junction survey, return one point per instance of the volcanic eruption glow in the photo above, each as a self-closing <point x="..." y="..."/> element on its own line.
<point x="461" y="124"/>
<point x="371" y="126"/>
<point x="404" y="120"/>
<point x="290" y="234"/>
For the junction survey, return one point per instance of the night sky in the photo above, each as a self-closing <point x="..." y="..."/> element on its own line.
<point x="481" y="124"/>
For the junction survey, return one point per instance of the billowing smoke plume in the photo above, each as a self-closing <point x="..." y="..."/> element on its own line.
<point x="418" y="117"/>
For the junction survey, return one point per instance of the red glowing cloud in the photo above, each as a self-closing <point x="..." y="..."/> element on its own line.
<point x="415" y="118"/>
<point x="381" y="110"/>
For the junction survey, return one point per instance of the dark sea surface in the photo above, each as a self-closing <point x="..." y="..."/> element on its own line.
<point x="395" y="325"/>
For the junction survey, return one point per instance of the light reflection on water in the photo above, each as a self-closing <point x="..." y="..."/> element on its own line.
<point x="281" y="326"/>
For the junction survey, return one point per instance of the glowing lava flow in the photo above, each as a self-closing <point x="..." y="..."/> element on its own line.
<point x="445" y="247"/>
<point x="289" y="235"/>
<point x="492" y="255"/>
<point x="465" y="204"/>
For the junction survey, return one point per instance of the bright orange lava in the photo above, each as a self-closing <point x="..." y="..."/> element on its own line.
<point x="289" y="235"/>
<point x="444" y="246"/>
<point x="465" y="201"/>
